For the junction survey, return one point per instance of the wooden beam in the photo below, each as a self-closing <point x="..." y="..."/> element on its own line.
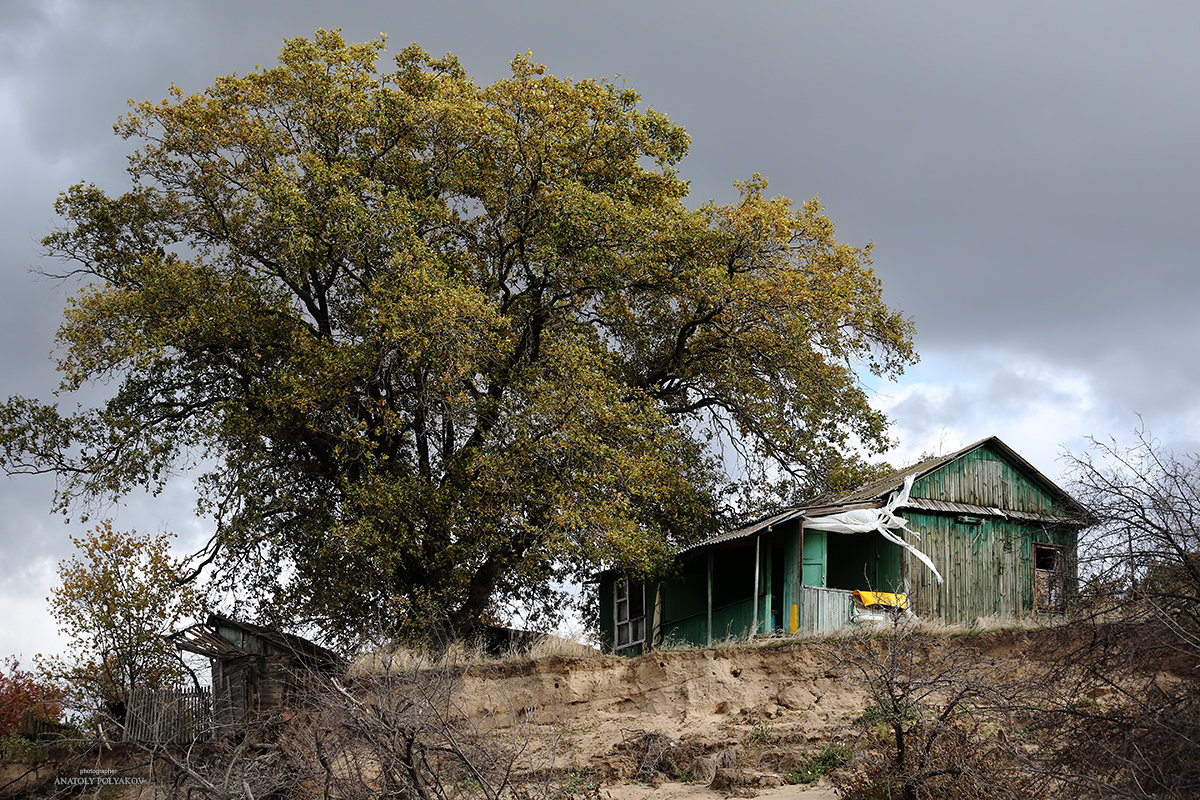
<point x="798" y="597"/>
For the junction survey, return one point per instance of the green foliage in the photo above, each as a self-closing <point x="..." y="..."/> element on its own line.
<point x="833" y="757"/>
<point x="577" y="781"/>
<point x="760" y="730"/>
<point x="15" y="748"/>
<point x="444" y="343"/>
<point x="119" y="596"/>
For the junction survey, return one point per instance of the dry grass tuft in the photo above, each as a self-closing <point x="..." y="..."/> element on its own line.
<point x="404" y="658"/>
<point x="554" y="646"/>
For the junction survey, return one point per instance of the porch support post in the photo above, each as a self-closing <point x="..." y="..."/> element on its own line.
<point x="793" y="557"/>
<point x="709" y="598"/>
<point x="757" y="560"/>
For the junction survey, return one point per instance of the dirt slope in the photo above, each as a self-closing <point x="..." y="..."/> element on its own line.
<point x="771" y="706"/>
<point x="711" y="695"/>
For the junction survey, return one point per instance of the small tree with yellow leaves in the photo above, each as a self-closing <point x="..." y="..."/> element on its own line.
<point x="119" y="597"/>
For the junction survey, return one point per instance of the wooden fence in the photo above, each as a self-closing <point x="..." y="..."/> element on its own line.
<point x="41" y="723"/>
<point x="164" y="716"/>
<point x="823" y="610"/>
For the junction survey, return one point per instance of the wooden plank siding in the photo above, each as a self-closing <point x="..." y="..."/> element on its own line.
<point x="987" y="568"/>
<point x="983" y="478"/>
<point x="825" y="610"/>
<point x="986" y="561"/>
<point x="979" y="513"/>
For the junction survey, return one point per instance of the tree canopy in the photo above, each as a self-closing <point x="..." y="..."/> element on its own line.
<point x="433" y="344"/>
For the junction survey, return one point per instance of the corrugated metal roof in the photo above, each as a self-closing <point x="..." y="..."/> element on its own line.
<point x="776" y="519"/>
<point x="879" y="489"/>
<point x="749" y="530"/>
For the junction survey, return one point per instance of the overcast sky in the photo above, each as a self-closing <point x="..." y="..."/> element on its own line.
<point x="1028" y="172"/>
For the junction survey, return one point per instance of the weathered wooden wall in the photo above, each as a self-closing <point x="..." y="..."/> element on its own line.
<point x="978" y="516"/>
<point x="825" y="610"/>
<point x="983" y="478"/>
<point x="985" y="559"/>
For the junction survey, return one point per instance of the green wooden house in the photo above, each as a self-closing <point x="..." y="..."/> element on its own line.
<point x="973" y="534"/>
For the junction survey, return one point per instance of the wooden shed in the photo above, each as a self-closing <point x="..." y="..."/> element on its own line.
<point x="255" y="670"/>
<point x="1000" y="536"/>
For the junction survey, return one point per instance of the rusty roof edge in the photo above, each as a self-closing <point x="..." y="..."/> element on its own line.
<point x="946" y="506"/>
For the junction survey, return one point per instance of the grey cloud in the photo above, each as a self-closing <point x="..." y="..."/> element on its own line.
<point x="1026" y="170"/>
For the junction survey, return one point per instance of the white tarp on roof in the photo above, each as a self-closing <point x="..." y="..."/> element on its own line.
<point x="877" y="520"/>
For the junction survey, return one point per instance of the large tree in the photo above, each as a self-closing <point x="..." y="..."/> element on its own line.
<point x="434" y="345"/>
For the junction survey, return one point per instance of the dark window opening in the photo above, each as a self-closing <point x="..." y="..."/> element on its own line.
<point x="733" y="576"/>
<point x="1049" y="577"/>
<point x="1047" y="557"/>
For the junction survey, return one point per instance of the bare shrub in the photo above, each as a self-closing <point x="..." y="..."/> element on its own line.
<point x="1121" y="714"/>
<point x="658" y="754"/>
<point x="394" y="727"/>
<point x="940" y="722"/>
<point x="1126" y="720"/>
<point x="402" y="733"/>
<point x="235" y="768"/>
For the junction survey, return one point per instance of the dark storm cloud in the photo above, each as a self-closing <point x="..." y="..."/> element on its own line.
<point x="1026" y="171"/>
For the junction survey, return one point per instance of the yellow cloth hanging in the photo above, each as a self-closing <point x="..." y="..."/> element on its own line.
<point x="882" y="599"/>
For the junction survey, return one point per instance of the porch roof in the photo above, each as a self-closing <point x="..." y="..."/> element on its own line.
<point x="778" y="519"/>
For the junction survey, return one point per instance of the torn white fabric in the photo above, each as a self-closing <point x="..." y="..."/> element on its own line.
<point x="883" y="521"/>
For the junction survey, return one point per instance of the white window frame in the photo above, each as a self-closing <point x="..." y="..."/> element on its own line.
<point x="628" y="631"/>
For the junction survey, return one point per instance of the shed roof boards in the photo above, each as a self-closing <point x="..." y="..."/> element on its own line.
<point x="223" y="637"/>
<point x="938" y="485"/>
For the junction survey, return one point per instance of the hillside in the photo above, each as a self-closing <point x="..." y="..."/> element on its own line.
<point x="737" y="720"/>
<point x="766" y="708"/>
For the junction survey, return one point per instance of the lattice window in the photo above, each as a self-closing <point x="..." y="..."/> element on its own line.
<point x="629" y="613"/>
